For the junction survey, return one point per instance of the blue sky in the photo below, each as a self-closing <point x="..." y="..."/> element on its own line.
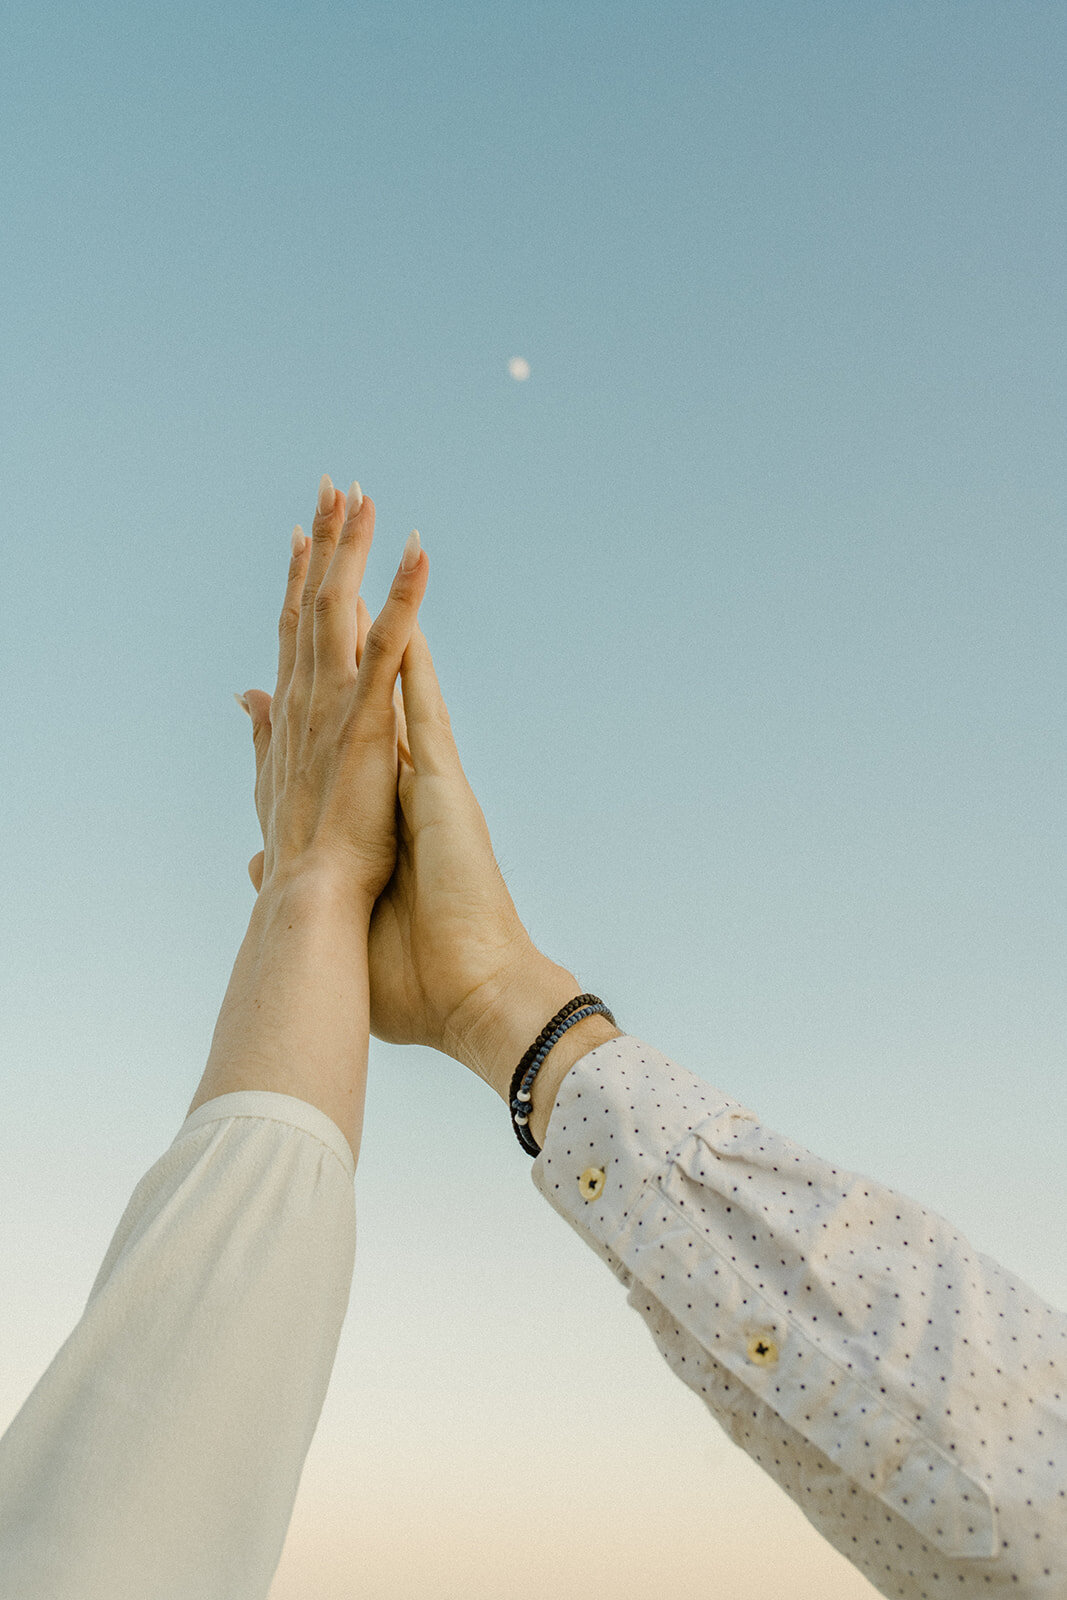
<point x="747" y="606"/>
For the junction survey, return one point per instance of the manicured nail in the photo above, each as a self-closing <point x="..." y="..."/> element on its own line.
<point x="355" y="498"/>
<point x="243" y="703"/>
<point x="298" y="540"/>
<point x="325" y="495"/>
<point x="412" y="551"/>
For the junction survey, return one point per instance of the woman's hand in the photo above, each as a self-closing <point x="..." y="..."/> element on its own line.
<point x="326" y="741"/>
<point x="445" y="942"/>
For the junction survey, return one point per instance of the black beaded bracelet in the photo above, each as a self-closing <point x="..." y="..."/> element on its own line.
<point x="586" y="1005"/>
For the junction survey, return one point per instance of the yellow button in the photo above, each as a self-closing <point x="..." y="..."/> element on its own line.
<point x="591" y="1183"/>
<point x="762" y="1352"/>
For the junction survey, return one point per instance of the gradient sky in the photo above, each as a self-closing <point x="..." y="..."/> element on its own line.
<point x="748" y="608"/>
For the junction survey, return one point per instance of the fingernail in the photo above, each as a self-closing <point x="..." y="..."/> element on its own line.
<point x="243" y="703"/>
<point x="298" y="540"/>
<point x="325" y="494"/>
<point x="355" y="498"/>
<point x="412" y="551"/>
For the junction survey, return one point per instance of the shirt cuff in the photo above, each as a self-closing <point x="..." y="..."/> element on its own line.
<point x="272" y="1107"/>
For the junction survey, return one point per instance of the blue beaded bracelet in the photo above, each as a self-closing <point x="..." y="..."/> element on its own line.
<point x="586" y="1005"/>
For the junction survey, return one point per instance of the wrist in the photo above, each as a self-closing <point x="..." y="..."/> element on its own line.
<point x="523" y="1003"/>
<point x="295" y="1017"/>
<point x="579" y="1039"/>
<point x="314" y="889"/>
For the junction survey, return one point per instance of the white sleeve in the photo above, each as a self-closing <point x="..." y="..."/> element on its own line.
<point x="908" y="1393"/>
<point x="158" y="1457"/>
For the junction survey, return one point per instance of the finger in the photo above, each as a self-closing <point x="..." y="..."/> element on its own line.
<point x="255" y="870"/>
<point x="259" y="704"/>
<point x="325" y="530"/>
<point x="289" y="621"/>
<point x="386" y="641"/>
<point x="428" y="727"/>
<point x="363" y="623"/>
<point x="335" y="604"/>
<point x="362" y="627"/>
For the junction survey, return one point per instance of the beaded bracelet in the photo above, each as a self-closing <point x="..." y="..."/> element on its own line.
<point x="586" y="1005"/>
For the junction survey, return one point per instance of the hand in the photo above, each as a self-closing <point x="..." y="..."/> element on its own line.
<point x="326" y="742"/>
<point x="444" y="935"/>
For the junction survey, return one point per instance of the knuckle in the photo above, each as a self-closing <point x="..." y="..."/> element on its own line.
<point x="382" y="642"/>
<point x="289" y="620"/>
<point x="375" y="643"/>
<point x="325" y="601"/>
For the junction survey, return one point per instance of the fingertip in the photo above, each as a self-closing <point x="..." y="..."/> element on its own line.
<point x="412" y="555"/>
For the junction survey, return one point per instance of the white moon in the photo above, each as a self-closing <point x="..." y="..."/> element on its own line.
<point x="519" y="369"/>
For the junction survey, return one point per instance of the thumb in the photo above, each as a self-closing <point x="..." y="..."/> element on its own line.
<point x="257" y="704"/>
<point x="255" y="870"/>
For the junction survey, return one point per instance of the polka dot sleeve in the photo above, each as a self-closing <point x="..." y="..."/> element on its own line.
<point x="909" y="1394"/>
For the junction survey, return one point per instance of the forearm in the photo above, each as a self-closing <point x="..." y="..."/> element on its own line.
<point x="296" y="1015"/>
<point x="512" y="1021"/>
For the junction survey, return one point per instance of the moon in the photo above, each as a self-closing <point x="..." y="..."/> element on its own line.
<point x="519" y="369"/>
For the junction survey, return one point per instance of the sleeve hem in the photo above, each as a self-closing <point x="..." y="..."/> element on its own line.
<point x="273" y="1107"/>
